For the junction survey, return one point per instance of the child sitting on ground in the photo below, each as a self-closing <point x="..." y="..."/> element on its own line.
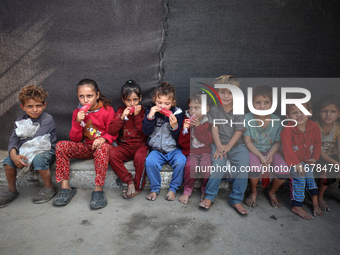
<point x="32" y="100"/>
<point x="128" y="122"/>
<point x="327" y="113"/>
<point x="301" y="146"/>
<point x="163" y="123"/>
<point x="195" y="140"/>
<point x="228" y="144"/>
<point x="263" y="141"/>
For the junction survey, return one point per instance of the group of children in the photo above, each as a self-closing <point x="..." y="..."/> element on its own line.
<point x="163" y="133"/>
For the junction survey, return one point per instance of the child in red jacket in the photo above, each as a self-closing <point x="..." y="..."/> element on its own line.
<point x="195" y="139"/>
<point x="301" y="146"/>
<point x="127" y="123"/>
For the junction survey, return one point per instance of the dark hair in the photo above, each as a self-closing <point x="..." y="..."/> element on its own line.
<point x="32" y="92"/>
<point x="197" y="98"/>
<point x="325" y="101"/>
<point x="264" y="91"/>
<point x="128" y="88"/>
<point x="93" y="84"/>
<point x="165" y="89"/>
<point x="308" y="104"/>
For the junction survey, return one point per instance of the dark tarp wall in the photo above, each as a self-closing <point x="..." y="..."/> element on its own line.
<point x="58" y="43"/>
<point x="252" y="38"/>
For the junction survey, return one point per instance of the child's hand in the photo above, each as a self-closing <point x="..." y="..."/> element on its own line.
<point x="18" y="162"/>
<point x="186" y="124"/>
<point x="195" y="121"/>
<point x="263" y="161"/>
<point x="310" y="161"/>
<point x="269" y="159"/>
<point x="138" y="109"/>
<point x="224" y="148"/>
<point x="125" y="113"/>
<point x="80" y="116"/>
<point x="173" y="121"/>
<point x="153" y="111"/>
<point x="300" y="169"/>
<point x="220" y="155"/>
<point x="98" y="143"/>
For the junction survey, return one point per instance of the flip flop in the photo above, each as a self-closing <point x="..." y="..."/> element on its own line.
<point x="132" y="195"/>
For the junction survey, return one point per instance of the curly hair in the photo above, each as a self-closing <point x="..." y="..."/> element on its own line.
<point x="32" y="92"/>
<point x="165" y="89"/>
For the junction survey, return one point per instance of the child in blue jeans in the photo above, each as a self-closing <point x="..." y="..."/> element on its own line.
<point x="162" y="123"/>
<point x="228" y="144"/>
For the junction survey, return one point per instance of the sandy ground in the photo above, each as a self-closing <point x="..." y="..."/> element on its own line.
<point x="138" y="226"/>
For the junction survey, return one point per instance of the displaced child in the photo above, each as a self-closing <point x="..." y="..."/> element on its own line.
<point x="301" y="146"/>
<point x="33" y="102"/>
<point x="163" y="123"/>
<point x="128" y="122"/>
<point x="263" y="141"/>
<point x="327" y="113"/>
<point x="195" y="140"/>
<point x="228" y="144"/>
<point x="89" y="139"/>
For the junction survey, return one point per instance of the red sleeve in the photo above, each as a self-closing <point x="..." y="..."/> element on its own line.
<point x="203" y="133"/>
<point x="287" y="147"/>
<point x="317" y="142"/>
<point x="109" y="119"/>
<point x="76" y="132"/>
<point x="184" y="140"/>
<point x="117" y="123"/>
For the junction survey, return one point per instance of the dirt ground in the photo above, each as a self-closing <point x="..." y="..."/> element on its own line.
<point x="138" y="226"/>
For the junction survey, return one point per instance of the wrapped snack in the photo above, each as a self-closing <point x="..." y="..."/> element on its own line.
<point x="185" y="130"/>
<point x="165" y="112"/>
<point x="26" y="128"/>
<point x="33" y="147"/>
<point x="132" y="110"/>
<point x="85" y="108"/>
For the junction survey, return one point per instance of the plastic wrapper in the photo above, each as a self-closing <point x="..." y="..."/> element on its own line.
<point x="166" y="112"/>
<point x="26" y="128"/>
<point x="132" y="110"/>
<point x="185" y="130"/>
<point x="33" y="147"/>
<point x="85" y="108"/>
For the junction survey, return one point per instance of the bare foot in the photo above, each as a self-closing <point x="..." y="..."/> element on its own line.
<point x="317" y="211"/>
<point x="152" y="196"/>
<point x="132" y="195"/>
<point x="240" y="209"/>
<point x="184" y="199"/>
<point x="274" y="202"/>
<point x="131" y="189"/>
<point x="323" y="205"/>
<point x="301" y="212"/>
<point x="202" y="196"/>
<point x="171" y="196"/>
<point x="206" y="203"/>
<point x="251" y="200"/>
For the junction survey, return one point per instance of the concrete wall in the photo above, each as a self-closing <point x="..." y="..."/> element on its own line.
<point x="58" y="43"/>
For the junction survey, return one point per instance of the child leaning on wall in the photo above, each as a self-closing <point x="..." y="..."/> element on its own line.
<point x="33" y="103"/>
<point x="301" y="146"/>
<point x="163" y="123"/>
<point x="195" y="140"/>
<point x="228" y="144"/>
<point x="263" y="141"/>
<point x="327" y="111"/>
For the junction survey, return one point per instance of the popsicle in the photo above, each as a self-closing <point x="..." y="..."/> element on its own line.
<point x="165" y="112"/>
<point x="132" y="110"/>
<point x="85" y="108"/>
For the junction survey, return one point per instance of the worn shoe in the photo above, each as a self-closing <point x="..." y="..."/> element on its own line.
<point x="7" y="197"/>
<point x="98" y="200"/>
<point x="44" y="195"/>
<point x="64" y="196"/>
